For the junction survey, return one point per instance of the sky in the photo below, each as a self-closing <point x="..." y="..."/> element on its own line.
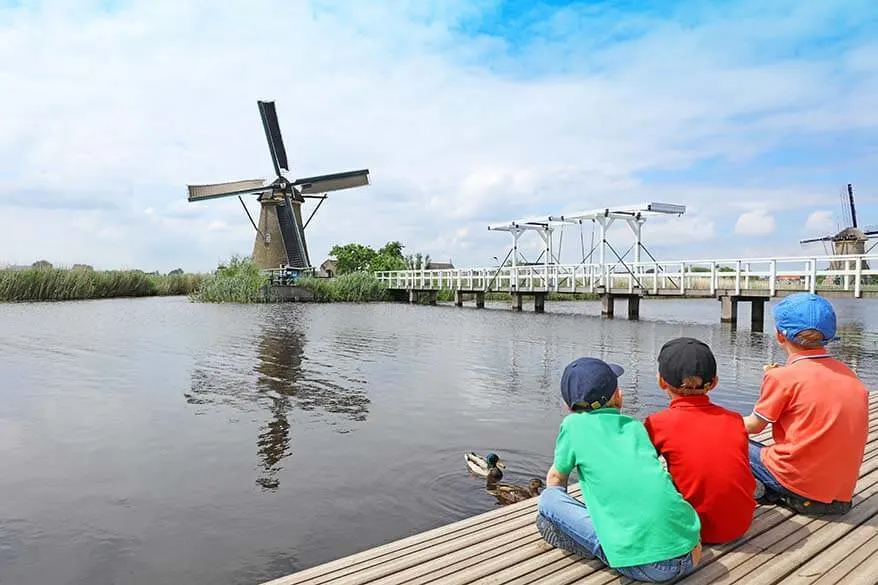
<point x="752" y="114"/>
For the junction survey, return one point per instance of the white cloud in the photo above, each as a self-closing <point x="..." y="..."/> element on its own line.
<point x="820" y="222"/>
<point x="755" y="223"/>
<point x="127" y="106"/>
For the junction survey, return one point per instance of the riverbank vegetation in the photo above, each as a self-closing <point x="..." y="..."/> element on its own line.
<point x="238" y="281"/>
<point x="354" y="287"/>
<point x="43" y="282"/>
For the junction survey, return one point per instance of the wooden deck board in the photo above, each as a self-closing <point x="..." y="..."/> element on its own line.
<point x="503" y="547"/>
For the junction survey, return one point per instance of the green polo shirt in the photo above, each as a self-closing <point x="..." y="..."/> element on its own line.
<point x="639" y="516"/>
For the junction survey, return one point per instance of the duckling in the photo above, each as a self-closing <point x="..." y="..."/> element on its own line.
<point x="508" y="493"/>
<point x="482" y="465"/>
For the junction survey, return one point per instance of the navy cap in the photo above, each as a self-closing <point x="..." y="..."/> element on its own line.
<point x="589" y="383"/>
<point x="802" y="311"/>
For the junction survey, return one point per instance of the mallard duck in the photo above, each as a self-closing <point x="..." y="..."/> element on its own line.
<point x="482" y="465"/>
<point x="508" y="493"/>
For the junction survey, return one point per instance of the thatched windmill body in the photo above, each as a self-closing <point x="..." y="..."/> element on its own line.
<point x="280" y="232"/>
<point x="850" y="240"/>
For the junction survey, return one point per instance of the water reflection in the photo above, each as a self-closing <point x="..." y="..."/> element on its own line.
<point x="283" y="383"/>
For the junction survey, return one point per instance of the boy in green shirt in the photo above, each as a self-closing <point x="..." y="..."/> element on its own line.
<point x="633" y="519"/>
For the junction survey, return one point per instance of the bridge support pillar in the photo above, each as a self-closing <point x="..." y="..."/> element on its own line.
<point x="757" y="315"/>
<point x="608" y="304"/>
<point x="516" y="301"/>
<point x="480" y="300"/>
<point x="728" y="309"/>
<point x="539" y="302"/>
<point x="413" y="296"/>
<point x="458" y="298"/>
<point x="633" y="307"/>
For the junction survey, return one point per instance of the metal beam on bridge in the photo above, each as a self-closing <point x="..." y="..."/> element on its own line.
<point x="634" y="215"/>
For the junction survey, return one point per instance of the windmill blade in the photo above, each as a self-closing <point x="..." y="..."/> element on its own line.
<point x="853" y="208"/>
<point x="272" y="135"/>
<point x="334" y="182"/>
<point x="216" y="190"/>
<point x="812" y="240"/>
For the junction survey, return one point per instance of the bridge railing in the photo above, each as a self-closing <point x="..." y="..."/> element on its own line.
<point x="852" y="273"/>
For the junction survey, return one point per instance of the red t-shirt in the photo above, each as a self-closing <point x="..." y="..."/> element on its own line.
<point x="706" y="447"/>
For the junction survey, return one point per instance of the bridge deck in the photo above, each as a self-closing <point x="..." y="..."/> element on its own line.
<point x="503" y="546"/>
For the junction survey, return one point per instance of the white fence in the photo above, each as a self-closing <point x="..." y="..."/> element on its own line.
<point x="853" y="273"/>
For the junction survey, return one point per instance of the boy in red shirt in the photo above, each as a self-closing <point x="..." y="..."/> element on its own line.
<point x="705" y="445"/>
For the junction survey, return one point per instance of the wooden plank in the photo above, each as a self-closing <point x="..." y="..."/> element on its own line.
<point x="840" y="559"/>
<point x="781" y="558"/>
<point x="755" y="552"/>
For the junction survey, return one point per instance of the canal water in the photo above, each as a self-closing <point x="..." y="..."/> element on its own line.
<point x="156" y="441"/>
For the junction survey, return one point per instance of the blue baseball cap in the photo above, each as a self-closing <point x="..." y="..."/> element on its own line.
<point x="589" y="383"/>
<point x="801" y="311"/>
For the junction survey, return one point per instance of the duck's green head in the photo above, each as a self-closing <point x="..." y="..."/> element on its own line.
<point x="494" y="461"/>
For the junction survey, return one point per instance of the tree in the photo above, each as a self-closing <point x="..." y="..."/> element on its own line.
<point x="417" y="261"/>
<point x="389" y="257"/>
<point x="45" y="264"/>
<point x="176" y="271"/>
<point x="355" y="257"/>
<point x="352" y="258"/>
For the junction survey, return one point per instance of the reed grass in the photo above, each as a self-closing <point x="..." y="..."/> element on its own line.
<point x="355" y="287"/>
<point x="63" y="284"/>
<point x="239" y="281"/>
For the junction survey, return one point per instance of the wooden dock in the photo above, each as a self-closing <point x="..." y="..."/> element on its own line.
<point x="504" y="547"/>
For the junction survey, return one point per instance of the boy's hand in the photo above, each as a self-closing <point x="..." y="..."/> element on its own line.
<point x="770" y="366"/>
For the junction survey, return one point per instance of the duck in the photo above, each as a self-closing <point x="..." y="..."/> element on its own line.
<point x="481" y="466"/>
<point x="508" y="493"/>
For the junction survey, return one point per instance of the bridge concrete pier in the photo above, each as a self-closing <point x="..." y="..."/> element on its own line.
<point x="729" y="310"/>
<point x="478" y="294"/>
<point x="608" y="304"/>
<point x="539" y="301"/>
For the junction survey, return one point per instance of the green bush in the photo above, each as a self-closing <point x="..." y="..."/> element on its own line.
<point x="353" y="287"/>
<point x="238" y="282"/>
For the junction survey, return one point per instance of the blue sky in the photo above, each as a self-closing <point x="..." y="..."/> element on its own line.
<point x="753" y="114"/>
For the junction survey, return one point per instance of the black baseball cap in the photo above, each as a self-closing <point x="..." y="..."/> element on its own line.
<point x="684" y="357"/>
<point x="589" y="383"/>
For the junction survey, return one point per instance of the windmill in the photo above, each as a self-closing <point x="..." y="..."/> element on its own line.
<point x="280" y="233"/>
<point x="850" y="240"/>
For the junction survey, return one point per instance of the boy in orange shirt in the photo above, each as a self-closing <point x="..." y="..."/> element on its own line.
<point x="705" y="445"/>
<point x="819" y="414"/>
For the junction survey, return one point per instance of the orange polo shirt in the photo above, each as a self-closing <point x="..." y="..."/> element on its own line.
<point x="705" y="446"/>
<point x="819" y="415"/>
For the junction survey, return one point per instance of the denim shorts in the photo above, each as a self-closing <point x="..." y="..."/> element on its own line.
<point x="770" y="491"/>
<point x="564" y="522"/>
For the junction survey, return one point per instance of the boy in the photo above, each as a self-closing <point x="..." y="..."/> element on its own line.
<point x="819" y="415"/>
<point x="705" y="445"/>
<point x="633" y="519"/>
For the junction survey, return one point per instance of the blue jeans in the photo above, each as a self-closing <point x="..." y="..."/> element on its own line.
<point x="773" y="490"/>
<point x="564" y="522"/>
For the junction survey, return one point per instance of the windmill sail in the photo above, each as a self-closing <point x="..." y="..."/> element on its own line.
<point x="292" y="235"/>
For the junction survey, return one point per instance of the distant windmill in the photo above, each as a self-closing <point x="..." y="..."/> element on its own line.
<point x="851" y="239"/>
<point x="280" y="235"/>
